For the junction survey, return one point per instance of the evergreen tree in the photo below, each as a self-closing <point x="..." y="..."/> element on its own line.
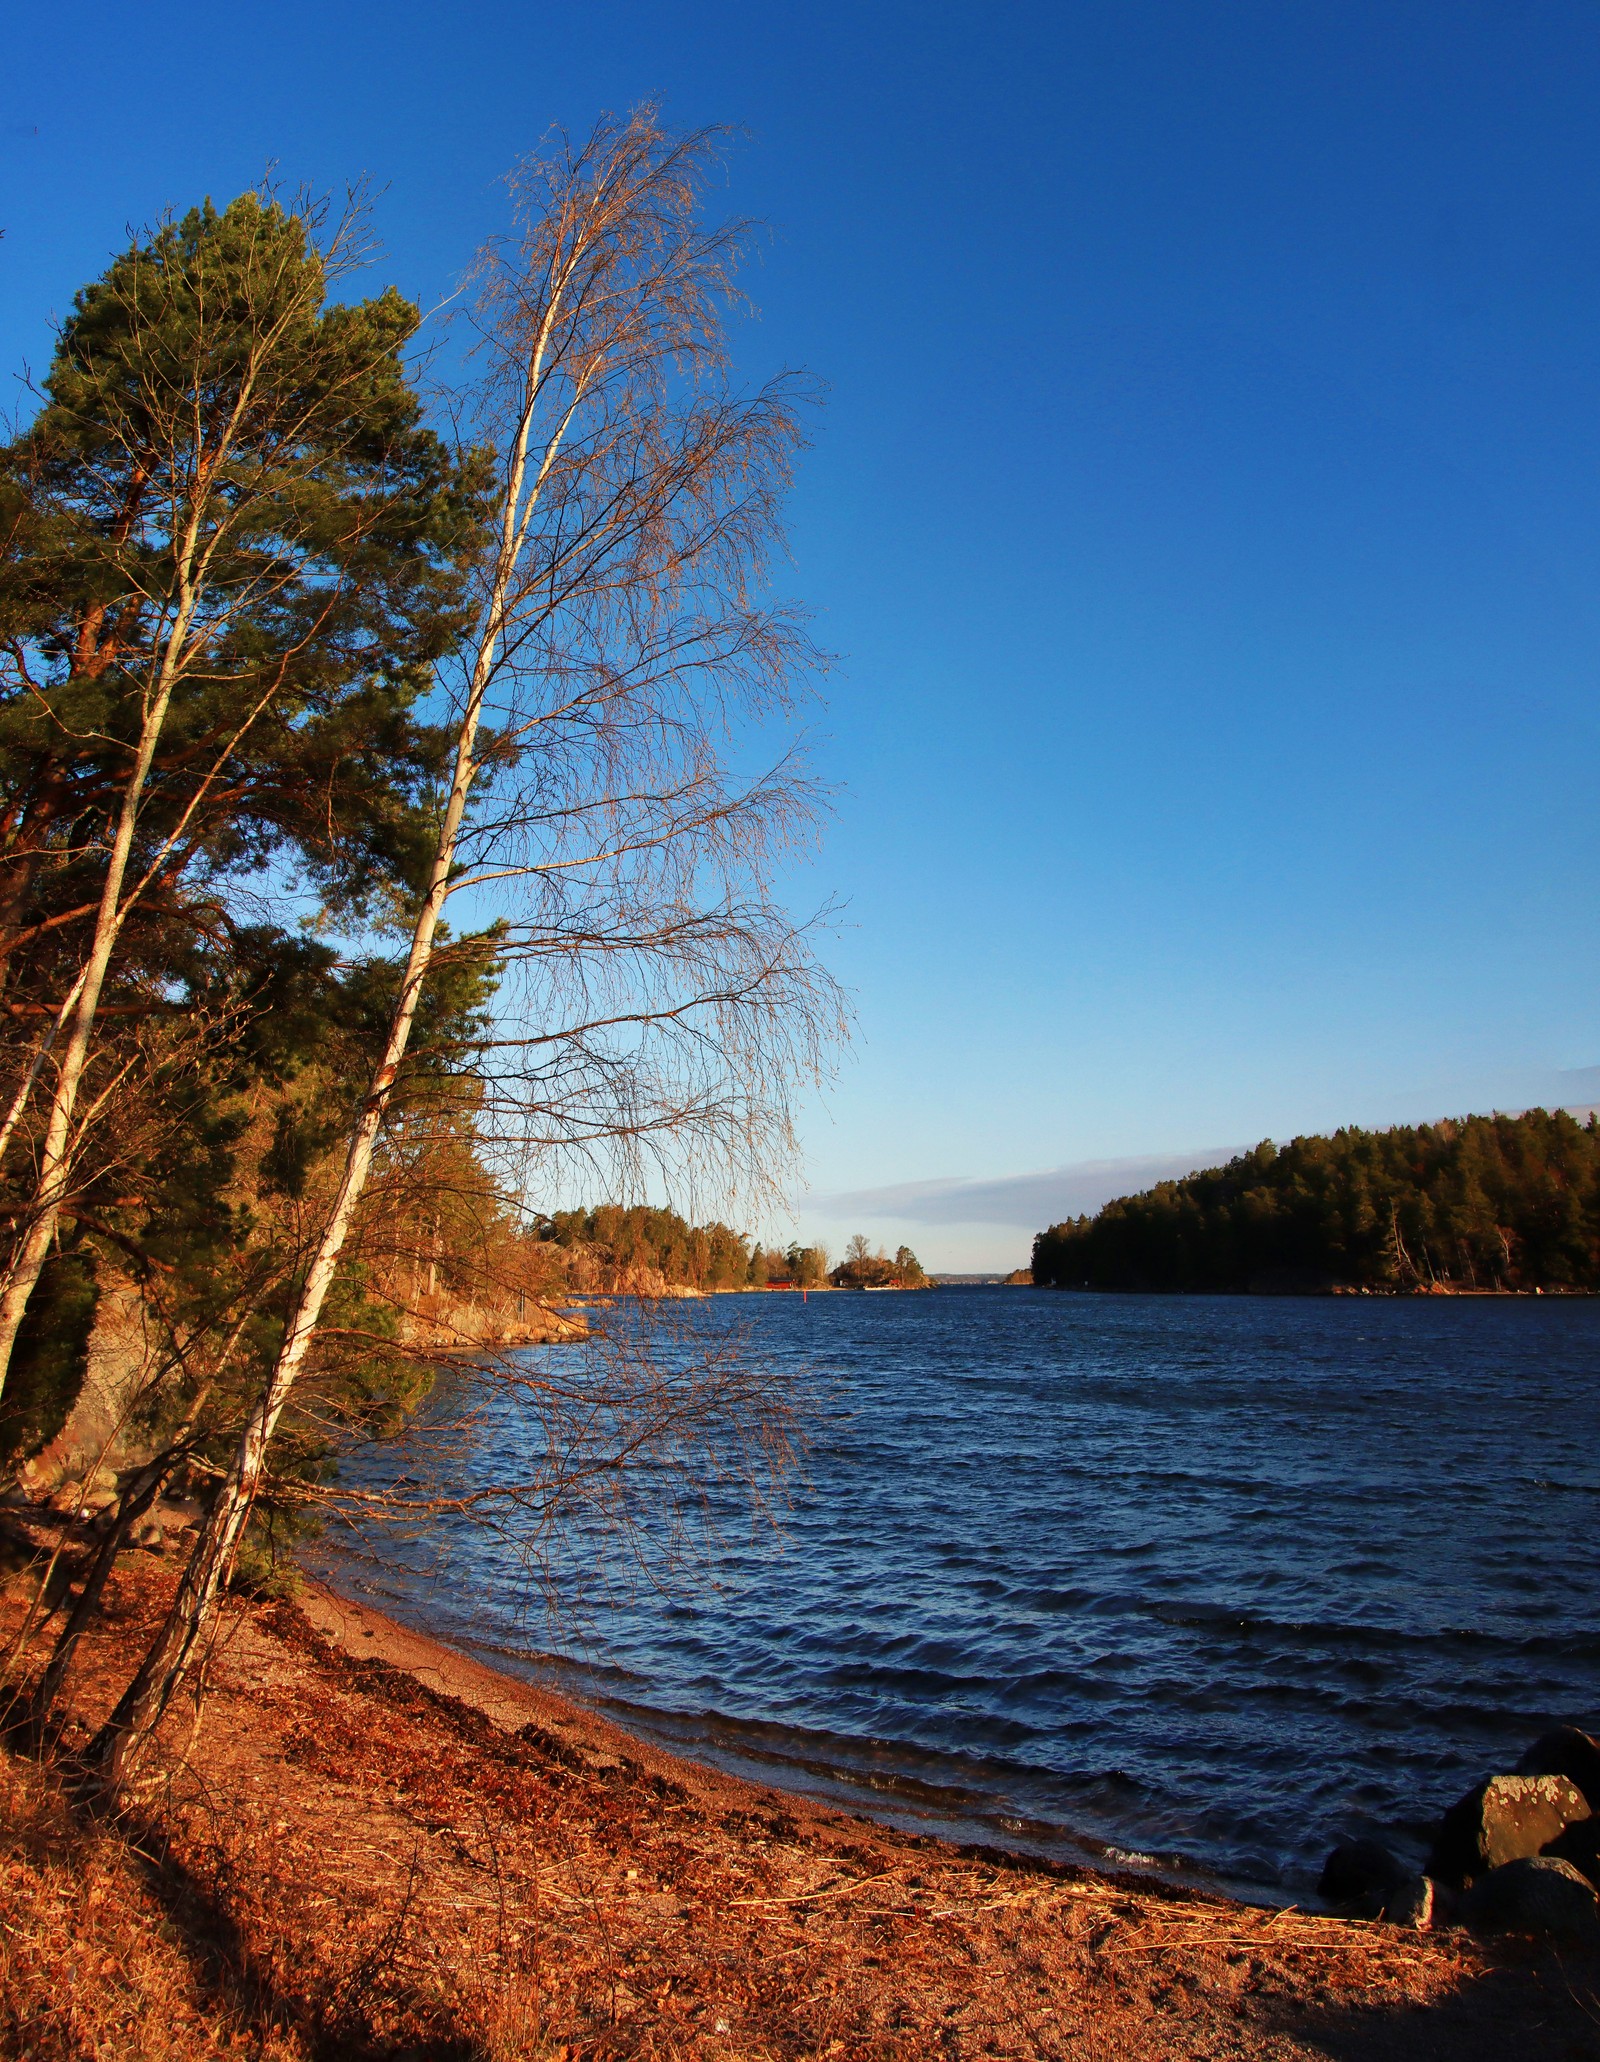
<point x="1478" y="1203"/>
<point x="231" y="551"/>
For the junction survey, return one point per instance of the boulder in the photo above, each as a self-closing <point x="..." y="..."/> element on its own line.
<point x="85" y="1499"/>
<point x="1566" y="1751"/>
<point x="1536" y="1894"/>
<point x="1359" y="1876"/>
<point x="1506" y="1819"/>
<point x="1580" y="1845"/>
<point x="1415" y="1902"/>
<point x="1363" y="1880"/>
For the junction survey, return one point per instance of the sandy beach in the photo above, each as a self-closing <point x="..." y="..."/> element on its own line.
<point x="376" y="1846"/>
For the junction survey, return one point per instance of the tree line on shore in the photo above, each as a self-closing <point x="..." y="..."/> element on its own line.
<point x="1500" y="1203"/>
<point x="640" y="1249"/>
<point x="377" y="847"/>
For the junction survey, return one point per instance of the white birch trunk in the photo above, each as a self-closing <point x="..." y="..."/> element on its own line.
<point x="19" y="1102"/>
<point x="193" y="559"/>
<point x="55" y="1167"/>
<point x="587" y="218"/>
<point x="123" y="1738"/>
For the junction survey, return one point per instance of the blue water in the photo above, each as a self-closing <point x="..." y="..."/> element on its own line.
<point x="1205" y="1581"/>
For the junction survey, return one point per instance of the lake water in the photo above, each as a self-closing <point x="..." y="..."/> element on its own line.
<point x="1205" y="1581"/>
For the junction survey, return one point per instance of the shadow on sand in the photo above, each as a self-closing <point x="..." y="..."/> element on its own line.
<point x="1539" y="2005"/>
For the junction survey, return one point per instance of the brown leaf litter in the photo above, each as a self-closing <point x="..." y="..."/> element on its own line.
<point x="374" y="1846"/>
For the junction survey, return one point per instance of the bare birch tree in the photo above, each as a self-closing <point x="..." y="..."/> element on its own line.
<point x="661" y="1004"/>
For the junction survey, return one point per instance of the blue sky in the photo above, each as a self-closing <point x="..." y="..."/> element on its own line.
<point x="1206" y="510"/>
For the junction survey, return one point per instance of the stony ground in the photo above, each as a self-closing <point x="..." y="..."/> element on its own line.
<point x="373" y="1847"/>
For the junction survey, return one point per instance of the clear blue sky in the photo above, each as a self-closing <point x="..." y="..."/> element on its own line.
<point x="1207" y="509"/>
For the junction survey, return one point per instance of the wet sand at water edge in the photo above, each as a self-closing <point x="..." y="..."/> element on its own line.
<point x="377" y="1847"/>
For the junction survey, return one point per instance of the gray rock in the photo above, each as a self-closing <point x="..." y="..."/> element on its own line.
<point x="1536" y="1894"/>
<point x="1567" y="1751"/>
<point x="1506" y="1819"/>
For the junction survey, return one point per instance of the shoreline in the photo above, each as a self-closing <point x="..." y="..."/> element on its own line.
<point x="821" y="1787"/>
<point x="365" y="1633"/>
<point x="376" y="1845"/>
<point x="826" y="1791"/>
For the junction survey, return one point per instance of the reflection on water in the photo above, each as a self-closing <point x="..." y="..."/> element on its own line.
<point x="1212" y="1580"/>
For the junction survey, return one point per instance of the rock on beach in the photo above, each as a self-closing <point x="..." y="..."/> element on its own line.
<point x="1506" y="1819"/>
<point x="1536" y="1894"/>
<point x="1580" y="1845"/>
<point x="1359" y="1876"/>
<point x="1566" y="1750"/>
<point x="1518" y="1854"/>
<point x="1362" y="1879"/>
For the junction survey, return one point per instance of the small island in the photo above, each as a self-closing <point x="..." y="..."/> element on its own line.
<point x="862" y="1268"/>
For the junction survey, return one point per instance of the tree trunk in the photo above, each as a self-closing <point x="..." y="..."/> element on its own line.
<point x="131" y="1508"/>
<point x="607" y="217"/>
<point x="55" y="1167"/>
<point x="190" y="562"/>
<point x="121" y="1742"/>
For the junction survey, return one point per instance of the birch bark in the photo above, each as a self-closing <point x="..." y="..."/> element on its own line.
<point x="620" y="612"/>
<point x="229" y="421"/>
<point x="123" y="1738"/>
<point x="55" y="1167"/>
<point x="194" y="555"/>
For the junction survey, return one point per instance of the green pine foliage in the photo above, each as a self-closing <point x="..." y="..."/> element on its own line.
<point x="338" y="538"/>
<point x="336" y="546"/>
<point x="225" y="441"/>
<point x="1476" y="1203"/>
<point x="620" y="1248"/>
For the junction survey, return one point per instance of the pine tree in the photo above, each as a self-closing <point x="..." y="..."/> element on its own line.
<point x="233" y="550"/>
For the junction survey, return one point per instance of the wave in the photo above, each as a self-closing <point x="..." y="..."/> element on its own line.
<point x="1194" y="1578"/>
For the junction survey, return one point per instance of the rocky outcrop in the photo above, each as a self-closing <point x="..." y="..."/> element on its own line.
<point x="101" y="1432"/>
<point x="441" y="1324"/>
<point x="104" y="1438"/>
<point x="1506" y="1819"/>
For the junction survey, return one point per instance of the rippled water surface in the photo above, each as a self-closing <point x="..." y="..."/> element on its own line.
<point x="1209" y="1580"/>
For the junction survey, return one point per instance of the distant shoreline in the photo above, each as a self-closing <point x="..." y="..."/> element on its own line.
<point x="1340" y="1289"/>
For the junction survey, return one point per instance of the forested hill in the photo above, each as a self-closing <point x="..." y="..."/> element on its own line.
<point x="638" y="1250"/>
<point x="1471" y="1203"/>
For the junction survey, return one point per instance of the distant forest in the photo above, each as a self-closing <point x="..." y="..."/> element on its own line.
<point x="637" y="1250"/>
<point x="1471" y="1203"/>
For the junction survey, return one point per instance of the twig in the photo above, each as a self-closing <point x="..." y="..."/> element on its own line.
<point x="810" y="1896"/>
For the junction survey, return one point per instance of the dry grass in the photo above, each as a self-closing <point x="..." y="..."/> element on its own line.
<point x="351" y="1863"/>
<point x="94" y="1961"/>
